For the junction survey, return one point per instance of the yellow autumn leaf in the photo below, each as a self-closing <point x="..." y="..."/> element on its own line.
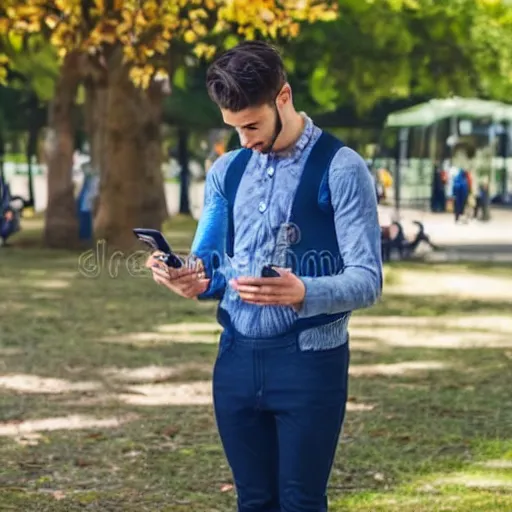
<point x="27" y="11"/>
<point x="161" y="74"/>
<point x="161" y="46"/>
<point x="328" y="16"/>
<point x="145" y="80"/>
<point x="267" y="15"/>
<point x="63" y="5"/>
<point x="150" y="9"/>
<point x="249" y="32"/>
<point x="4" y="26"/>
<point x="100" y="5"/>
<point x="199" y="29"/>
<point x="197" y="14"/>
<point x="189" y="36"/>
<point x="169" y="20"/>
<point x="129" y="53"/>
<point x="135" y="75"/>
<point x="140" y="21"/>
<point x="202" y="50"/>
<point x="294" y="29"/>
<point x="148" y="52"/>
<point x="51" y="21"/>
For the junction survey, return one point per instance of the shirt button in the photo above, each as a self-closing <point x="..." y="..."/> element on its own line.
<point x="270" y="171"/>
<point x="262" y="207"/>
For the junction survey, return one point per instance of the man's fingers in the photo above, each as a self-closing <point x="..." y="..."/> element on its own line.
<point x="160" y="280"/>
<point x="160" y="273"/>
<point x="152" y="260"/>
<point x="267" y="300"/>
<point x="176" y="276"/>
<point x="261" y="290"/>
<point x="259" y="281"/>
<point x="187" y="279"/>
<point x="176" y="273"/>
<point x="196" y="288"/>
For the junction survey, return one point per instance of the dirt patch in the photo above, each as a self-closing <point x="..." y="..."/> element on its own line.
<point x="193" y="393"/>
<point x="408" y="337"/>
<point x="190" y="327"/>
<point x="12" y="307"/>
<point x="49" y="284"/>
<point x="357" y="407"/>
<point x="496" y="464"/>
<point x="65" y="274"/>
<point x="148" y="338"/>
<point x="45" y="296"/>
<point x="24" y="383"/>
<point x="496" y="323"/>
<point x="153" y="373"/>
<point x="366" y="346"/>
<point x="10" y="351"/>
<point x="74" y="422"/>
<point x="476" y="481"/>
<point x="454" y="284"/>
<point x="405" y="368"/>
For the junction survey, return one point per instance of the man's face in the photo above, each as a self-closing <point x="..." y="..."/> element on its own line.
<point x="256" y="126"/>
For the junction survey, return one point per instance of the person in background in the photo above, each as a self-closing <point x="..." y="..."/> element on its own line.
<point x="482" y="199"/>
<point x="460" y="194"/>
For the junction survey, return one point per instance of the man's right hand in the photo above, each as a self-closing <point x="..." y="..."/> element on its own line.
<point x="186" y="282"/>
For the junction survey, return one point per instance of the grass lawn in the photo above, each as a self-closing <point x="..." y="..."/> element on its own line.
<point x="105" y="391"/>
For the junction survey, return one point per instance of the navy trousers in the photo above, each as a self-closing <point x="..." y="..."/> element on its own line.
<point x="279" y="412"/>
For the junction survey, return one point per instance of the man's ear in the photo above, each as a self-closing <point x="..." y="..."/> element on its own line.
<point x="285" y="95"/>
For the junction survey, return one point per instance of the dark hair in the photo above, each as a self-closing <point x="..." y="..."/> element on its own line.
<point x="249" y="75"/>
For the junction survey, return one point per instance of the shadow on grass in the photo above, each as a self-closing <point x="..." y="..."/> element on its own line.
<point x="427" y="422"/>
<point x="438" y="305"/>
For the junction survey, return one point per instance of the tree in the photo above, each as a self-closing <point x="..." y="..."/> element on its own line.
<point x="130" y="45"/>
<point x="399" y="49"/>
<point x="189" y="108"/>
<point x="31" y="77"/>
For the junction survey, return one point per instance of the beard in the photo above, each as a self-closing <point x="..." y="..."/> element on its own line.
<point x="278" y="126"/>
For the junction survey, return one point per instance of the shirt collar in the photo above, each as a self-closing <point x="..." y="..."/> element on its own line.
<point x="293" y="153"/>
<point x="301" y="143"/>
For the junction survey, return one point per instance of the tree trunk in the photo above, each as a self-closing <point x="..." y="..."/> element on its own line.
<point x="61" y="225"/>
<point x="183" y="158"/>
<point x="33" y="134"/>
<point x="95" y="120"/>
<point x="131" y="181"/>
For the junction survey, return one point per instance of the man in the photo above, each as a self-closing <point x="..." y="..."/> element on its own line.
<point x="295" y="198"/>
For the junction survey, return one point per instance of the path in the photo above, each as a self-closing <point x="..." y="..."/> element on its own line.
<point x="473" y="241"/>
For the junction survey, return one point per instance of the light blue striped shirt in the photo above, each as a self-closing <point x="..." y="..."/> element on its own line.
<point x="262" y="205"/>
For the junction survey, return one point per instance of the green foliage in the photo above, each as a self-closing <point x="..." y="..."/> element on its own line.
<point x="189" y="104"/>
<point x="396" y="49"/>
<point x="33" y="64"/>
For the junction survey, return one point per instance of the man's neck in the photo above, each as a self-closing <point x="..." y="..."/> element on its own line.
<point x="288" y="138"/>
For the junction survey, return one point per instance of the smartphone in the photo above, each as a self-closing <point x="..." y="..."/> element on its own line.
<point x="156" y="240"/>
<point x="268" y="271"/>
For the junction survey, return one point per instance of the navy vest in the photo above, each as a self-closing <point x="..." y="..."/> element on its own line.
<point x="313" y="247"/>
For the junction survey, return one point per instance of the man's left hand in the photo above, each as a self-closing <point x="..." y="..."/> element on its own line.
<point x="285" y="290"/>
